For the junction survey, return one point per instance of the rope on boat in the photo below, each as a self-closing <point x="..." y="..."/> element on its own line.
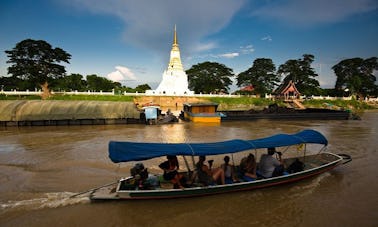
<point x="93" y="189"/>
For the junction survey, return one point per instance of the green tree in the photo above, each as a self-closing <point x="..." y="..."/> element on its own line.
<point x="356" y="75"/>
<point x="38" y="62"/>
<point x="98" y="83"/>
<point x="142" y="88"/>
<point x="209" y="77"/>
<point x="73" y="82"/>
<point x="261" y="76"/>
<point x="300" y="72"/>
<point x="12" y="82"/>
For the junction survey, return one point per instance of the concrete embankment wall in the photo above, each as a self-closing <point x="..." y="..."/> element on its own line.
<point x="50" y="112"/>
<point x="166" y="101"/>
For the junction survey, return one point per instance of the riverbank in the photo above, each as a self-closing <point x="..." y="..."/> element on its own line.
<point x="117" y="109"/>
<point x="225" y="103"/>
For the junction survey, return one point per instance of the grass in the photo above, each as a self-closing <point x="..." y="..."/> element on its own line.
<point x="226" y="102"/>
<point x="241" y="101"/>
<point x="118" y="98"/>
<point x="344" y="104"/>
<point x="19" y="97"/>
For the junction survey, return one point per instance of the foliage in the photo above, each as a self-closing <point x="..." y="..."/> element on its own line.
<point x="14" y="83"/>
<point x="97" y="83"/>
<point x="356" y="75"/>
<point x="209" y="77"/>
<point x="261" y="76"/>
<point x="36" y="61"/>
<point x="73" y="82"/>
<point x="300" y="72"/>
<point x="142" y="88"/>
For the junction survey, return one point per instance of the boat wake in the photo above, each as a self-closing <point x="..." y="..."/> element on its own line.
<point x="47" y="200"/>
<point x="309" y="188"/>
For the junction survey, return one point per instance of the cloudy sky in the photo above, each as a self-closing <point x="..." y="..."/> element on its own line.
<point x="130" y="41"/>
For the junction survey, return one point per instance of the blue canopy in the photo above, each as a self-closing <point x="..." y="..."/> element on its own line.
<point x="131" y="151"/>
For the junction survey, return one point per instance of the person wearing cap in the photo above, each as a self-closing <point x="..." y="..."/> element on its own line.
<point x="269" y="166"/>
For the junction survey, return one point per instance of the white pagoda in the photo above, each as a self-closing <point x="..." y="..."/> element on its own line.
<point x="175" y="80"/>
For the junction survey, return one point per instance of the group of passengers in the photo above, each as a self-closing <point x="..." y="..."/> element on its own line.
<point x="248" y="170"/>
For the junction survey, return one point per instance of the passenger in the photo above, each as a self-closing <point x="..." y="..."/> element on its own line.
<point x="270" y="166"/>
<point x="170" y="168"/>
<point x="248" y="168"/>
<point x="208" y="175"/>
<point x="229" y="173"/>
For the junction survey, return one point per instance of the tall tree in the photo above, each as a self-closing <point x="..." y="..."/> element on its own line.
<point x="142" y="88"/>
<point x="356" y="74"/>
<point x="37" y="61"/>
<point x="301" y="73"/>
<point x="208" y="77"/>
<point x="73" y="82"/>
<point x="261" y="76"/>
<point x="98" y="83"/>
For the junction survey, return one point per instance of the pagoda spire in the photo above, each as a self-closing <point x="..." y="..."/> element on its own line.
<point x="175" y="59"/>
<point x="175" y="37"/>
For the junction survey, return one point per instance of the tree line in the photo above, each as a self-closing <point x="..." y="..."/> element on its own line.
<point x="35" y="63"/>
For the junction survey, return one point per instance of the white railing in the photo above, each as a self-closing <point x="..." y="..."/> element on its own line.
<point x="269" y="96"/>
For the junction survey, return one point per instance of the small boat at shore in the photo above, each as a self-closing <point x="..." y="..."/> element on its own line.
<point x="201" y="112"/>
<point x="155" y="187"/>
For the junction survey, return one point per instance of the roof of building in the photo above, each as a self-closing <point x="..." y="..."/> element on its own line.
<point x="284" y="89"/>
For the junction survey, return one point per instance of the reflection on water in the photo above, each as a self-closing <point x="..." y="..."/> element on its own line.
<point x="41" y="167"/>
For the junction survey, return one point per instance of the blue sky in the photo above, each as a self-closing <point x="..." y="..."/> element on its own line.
<point x="131" y="40"/>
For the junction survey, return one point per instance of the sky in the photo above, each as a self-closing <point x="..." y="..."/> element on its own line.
<point x="130" y="40"/>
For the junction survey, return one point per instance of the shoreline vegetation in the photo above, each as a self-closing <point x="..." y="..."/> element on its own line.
<point x="225" y="103"/>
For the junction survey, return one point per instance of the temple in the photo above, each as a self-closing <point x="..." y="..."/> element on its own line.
<point x="175" y="80"/>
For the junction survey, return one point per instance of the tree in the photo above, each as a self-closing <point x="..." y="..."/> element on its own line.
<point x="97" y="83"/>
<point x="261" y="76"/>
<point x="37" y="61"/>
<point x="208" y="77"/>
<point x="142" y="88"/>
<point x="73" y="82"/>
<point x="300" y="72"/>
<point x="10" y="83"/>
<point x="356" y="75"/>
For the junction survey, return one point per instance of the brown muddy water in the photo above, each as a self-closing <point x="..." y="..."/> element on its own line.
<point x="41" y="167"/>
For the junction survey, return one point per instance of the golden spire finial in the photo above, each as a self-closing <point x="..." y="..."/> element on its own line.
<point x="175" y="60"/>
<point x="175" y="37"/>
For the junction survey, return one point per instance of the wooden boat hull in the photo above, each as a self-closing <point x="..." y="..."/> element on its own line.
<point x="327" y="162"/>
<point x="307" y="114"/>
<point x="204" y="118"/>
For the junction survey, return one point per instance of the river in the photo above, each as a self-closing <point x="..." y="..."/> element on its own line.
<point x="41" y="167"/>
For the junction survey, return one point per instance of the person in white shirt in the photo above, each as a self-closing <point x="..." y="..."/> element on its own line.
<point x="270" y="166"/>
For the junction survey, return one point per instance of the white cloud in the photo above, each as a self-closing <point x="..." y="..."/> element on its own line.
<point x="309" y="12"/>
<point x="267" y="38"/>
<point x="149" y="24"/>
<point x="121" y="74"/>
<point x="204" y="46"/>
<point x="247" y="49"/>
<point x="229" y="55"/>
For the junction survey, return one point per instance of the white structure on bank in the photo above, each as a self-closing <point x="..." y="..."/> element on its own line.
<point x="175" y="80"/>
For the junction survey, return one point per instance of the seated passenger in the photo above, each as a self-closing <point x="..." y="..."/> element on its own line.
<point x="170" y="168"/>
<point x="229" y="174"/>
<point x="208" y="175"/>
<point x="270" y="166"/>
<point x="248" y="168"/>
